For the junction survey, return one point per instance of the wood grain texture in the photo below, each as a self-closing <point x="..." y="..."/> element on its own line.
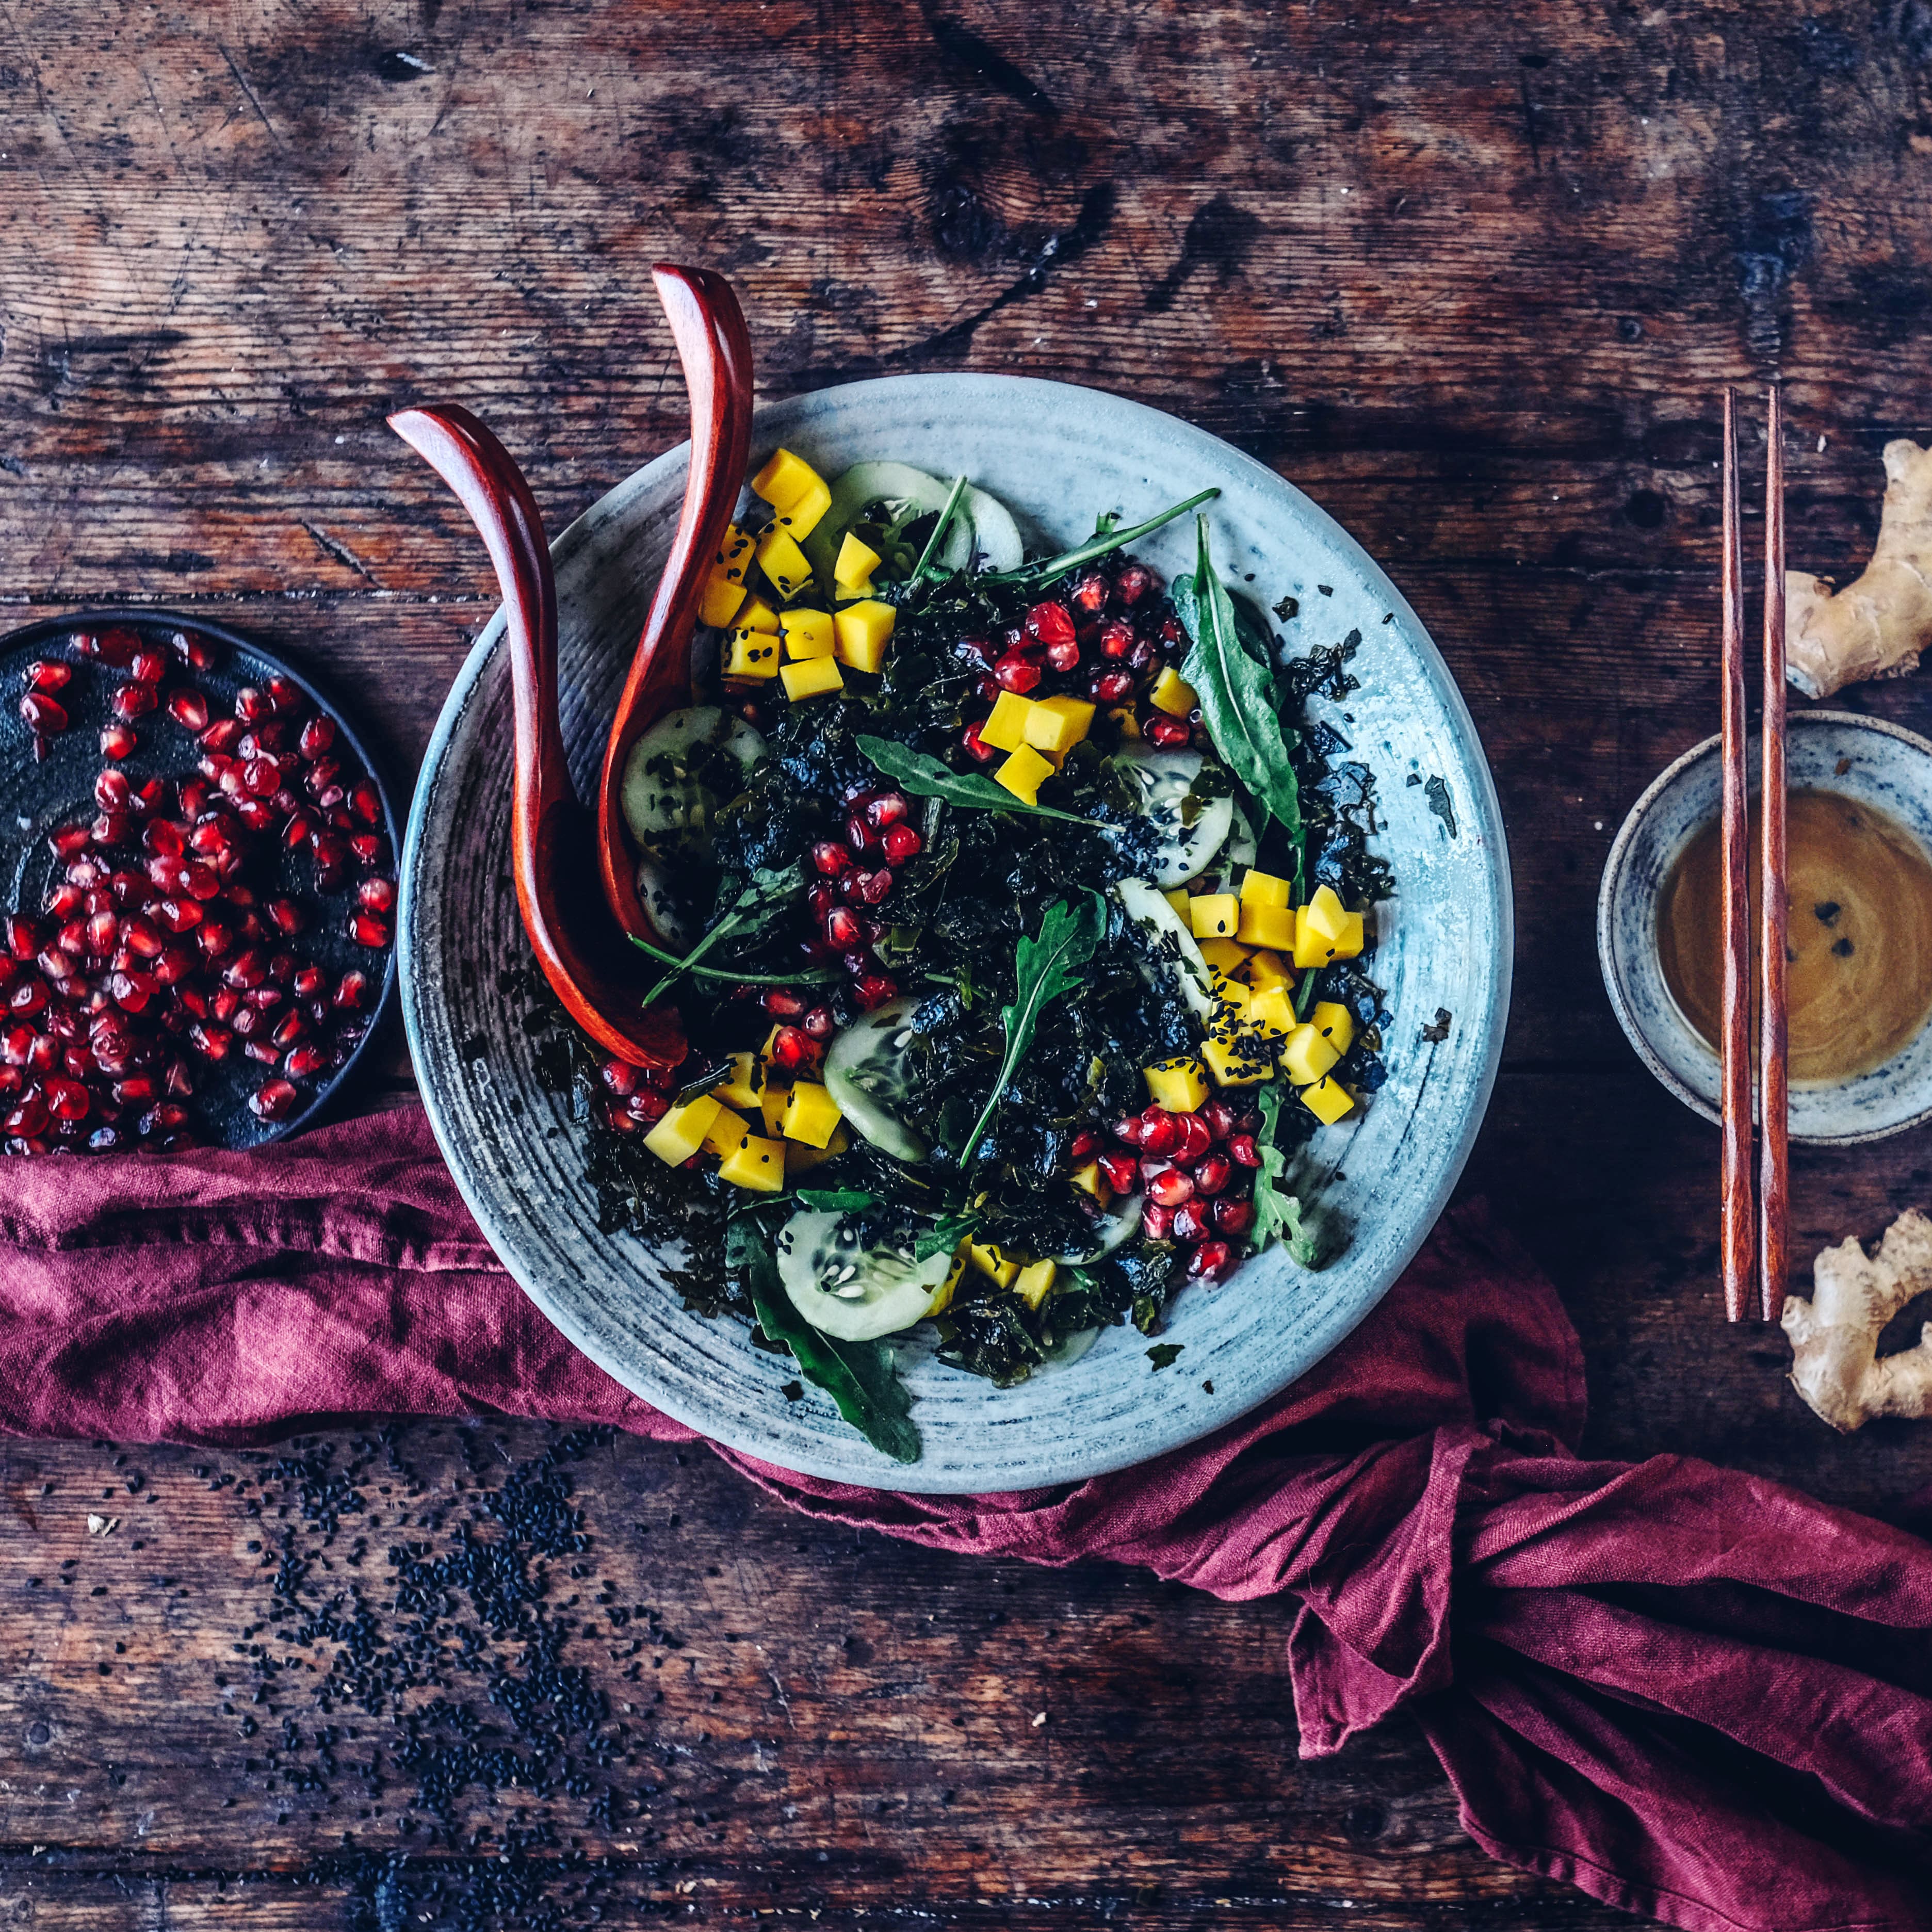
<point x="1471" y="275"/>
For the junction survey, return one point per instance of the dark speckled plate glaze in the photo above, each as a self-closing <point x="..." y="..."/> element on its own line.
<point x="35" y="797"/>
<point x="1058" y="455"/>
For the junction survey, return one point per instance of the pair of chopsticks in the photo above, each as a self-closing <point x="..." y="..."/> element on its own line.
<point x="1768" y="1244"/>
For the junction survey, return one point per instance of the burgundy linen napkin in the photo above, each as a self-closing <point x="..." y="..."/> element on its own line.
<point x="1695" y="1695"/>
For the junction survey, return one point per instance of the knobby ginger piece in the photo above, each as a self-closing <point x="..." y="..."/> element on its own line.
<point x="1877" y="626"/>
<point x="1834" y="1360"/>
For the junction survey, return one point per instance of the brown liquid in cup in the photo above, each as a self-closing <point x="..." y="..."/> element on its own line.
<point x="1859" y="981"/>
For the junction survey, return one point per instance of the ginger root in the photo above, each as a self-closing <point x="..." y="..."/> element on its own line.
<point x="1834" y="1360"/>
<point x="1876" y="627"/>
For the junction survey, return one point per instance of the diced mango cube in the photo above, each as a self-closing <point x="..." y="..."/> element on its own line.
<point x="864" y="630"/>
<point x="988" y="1258"/>
<point x="1177" y="897"/>
<point x="755" y="614"/>
<point x="1263" y="889"/>
<point x="1327" y="916"/>
<point x="1311" y="950"/>
<point x="795" y="490"/>
<point x="1023" y="774"/>
<point x="724" y="582"/>
<point x="753" y="654"/>
<point x="1335" y="1023"/>
<point x="1214" y="915"/>
<point x="1266" y="969"/>
<point x="1035" y="1283"/>
<point x="784" y="564"/>
<point x="1055" y="725"/>
<point x="852" y="571"/>
<point x="1271" y="1013"/>
<point x="1223" y="955"/>
<point x="1235" y="1065"/>
<point x="807" y="633"/>
<point x="756" y="1163"/>
<point x="1230" y="1005"/>
<point x="1091" y="1180"/>
<point x="726" y="1130"/>
<point x="1306" y="1056"/>
<point x="1173" y="694"/>
<point x="811" y="676"/>
<point x="811" y="1114"/>
<point x="772" y="1099"/>
<point x="1349" y="946"/>
<point x="1327" y="1101"/>
<point x="801" y="1158"/>
<point x="942" y="1300"/>
<point x="1176" y="1084"/>
<point x="1124" y="715"/>
<point x="681" y="1132"/>
<point x="1005" y="728"/>
<point x="1265" y="925"/>
<point x="740" y="1088"/>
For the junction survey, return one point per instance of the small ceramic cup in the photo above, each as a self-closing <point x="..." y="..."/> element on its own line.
<point x="1863" y="759"/>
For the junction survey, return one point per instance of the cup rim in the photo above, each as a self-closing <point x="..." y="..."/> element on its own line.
<point x="1617" y="862"/>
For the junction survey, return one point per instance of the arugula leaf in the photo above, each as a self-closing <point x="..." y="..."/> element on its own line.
<point x="836" y="1200"/>
<point x="946" y="1235"/>
<point x="925" y="777"/>
<point x="1051" y="569"/>
<point x="939" y="529"/>
<point x="768" y="894"/>
<point x="1277" y="1214"/>
<point x="862" y="1377"/>
<point x="1043" y="970"/>
<point x="1162" y="1354"/>
<point x="1236" y="690"/>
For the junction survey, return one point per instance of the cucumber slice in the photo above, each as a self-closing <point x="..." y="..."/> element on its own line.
<point x="852" y="1293"/>
<point x="665" y="790"/>
<point x="1164" y="779"/>
<point x="1070" y="1350"/>
<point x="982" y="523"/>
<point x="993" y="534"/>
<point x="1110" y="1231"/>
<point x="866" y="1072"/>
<point x="1237" y="855"/>
<point x="665" y="903"/>
<point x="1149" y="910"/>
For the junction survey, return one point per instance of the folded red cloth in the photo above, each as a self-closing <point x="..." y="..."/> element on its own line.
<point x="1695" y="1695"/>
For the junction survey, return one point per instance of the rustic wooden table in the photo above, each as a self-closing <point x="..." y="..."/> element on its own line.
<point x="1472" y="274"/>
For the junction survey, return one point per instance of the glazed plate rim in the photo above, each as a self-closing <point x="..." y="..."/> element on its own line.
<point x="740" y="1431"/>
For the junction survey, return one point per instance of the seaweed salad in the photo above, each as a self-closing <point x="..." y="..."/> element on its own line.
<point x="1018" y="917"/>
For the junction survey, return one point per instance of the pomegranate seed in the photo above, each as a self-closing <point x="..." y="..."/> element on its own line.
<point x="317" y="735"/>
<point x="1210" y="1258"/>
<point x="173" y="965"/>
<point x="367" y="847"/>
<point x="199" y="882"/>
<point x="873" y="887"/>
<point x="643" y="1108"/>
<point x="874" y="990"/>
<point x="273" y="1101"/>
<point x="1015" y="674"/>
<point x="284" y="694"/>
<point x="858" y="835"/>
<point x="310" y="980"/>
<point x="263" y="1052"/>
<point x="781" y="1003"/>
<point x="1063" y="657"/>
<point x="285" y="915"/>
<point x="111" y="828"/>
<point x="116" y="647"/>
<point x="118" y="740"/>
<point x="842" y="928"/>
<point x="1050" y="623"/>
<point x="1160" y="1131"/>
<point x="63" y="902"/>
<point x="1212" y="1172"/>
<point x="262" y="776"/>
<point x="1195" y="1139"/>
<point x="1122" y="1170"/>
<point x="366" y="802"/>
<point x="1089" y="596"/>
<point x="1109" y="687"/>
<point x="1157" y="1222"/>
<point x="222" y="736"/>
<point x="889" y="807"/>
<point x="1191" y="1221"/>
<point x="23" y="935"/>
<point x="29" y="1117"/>
<point x="133" y="700"/>
<point x="140" y="936"/>
<point x="67" y="1099"/>
<point x="298" y="831"/>
<point x="163" y="837"/>
<point x="1116" y="639"/>
<point x="44" y="717"/>
<point x="189" y="710"/>
<point x="251" y="706"/>
<point x="48" y="674"/>
<point x="1162" y="729"/>
<point x="131" y="989"/>
<point x="305" y="1062"/>
<point x="1233" y="1216"/>
<point x="1220" y="1119"/>
<point x="16" y="1045"/>
<point x="619" y="1077"/>
<point x="977" y="746"/>
<point x="248" y="968"/>
<point x="1168" y="1187"/>
<point x="902" y="843"/>
<point x="176" y="1081"/>
<point x="289" y="1028"/>
<point x="350" y="992"/>
<point x="247" y="1021"/>
<point x="226" y="1005"/>
<point x="1085" y="1143"/>
<point x="1243" y="1151"/>
<point x="818" y="1023"/>
<point x="1129" y="1130"/>
<point x="821" y="899"/>
<point x="830" y="858"/>
<point x="790" y="1048"/>
<point x="196" y="651"/>
<point x="1133" y="583"/>
<point x="257" y="814"/>
<point x="148" y="666"/>
<point x="67" y="840"/>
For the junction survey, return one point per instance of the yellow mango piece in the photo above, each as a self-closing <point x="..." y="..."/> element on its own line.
<point x="1214" y="915"/>
<point x="1349" y="946"/>
<point x="1177" y="899"/>
<point x="1091" y="1180"/>
<point x="1035" y="1283"/>
<point x="942" y="1300"/>
<point x="1311" y="950"/>
<point x="801" y="1158"/>
<point x="1271" y="1013"/>
<point x="755" y="614"/>
<point x="1055" y="725"/>
<point x="724" y="590"/>
<point x="1173" y="694"/>
<point x="807" y="633"/>
<point x="864" y="630"/>
<point x="1235" y="1066"/>
<point x="1335" y="1023"/>
<point x="1005" y="728"/>
<point x="1222" y="955"/>
<point x="784" y="564"/>
<point x="852" y="571"/>
<point x="811" y="1114"/>
<point x="740" y="1088"/>
<point x="772" y="1100"/>
<point x="681" y="1132"/>
<point x="1023" y="773"/>
<point x="752" y="654"/>
<point x="1124" y="717"/>
<point x="1327" y="1101"/>
<point x="756" y="1163"/>
<point x="1264" y="925"/>
<point x="1266" y="969"/>
<point x="1263" y="889"/>
<point x="726" y="1130"/>
<point x="811" y="676"/>
<point x="795" y="490"/>
<point x="1176" y="1084"/>
<point x="990" y="1260"/>
<point x="1328" y="916"/>
<point x="1306" y="1056"/>
<point x="1230" y="1002"/>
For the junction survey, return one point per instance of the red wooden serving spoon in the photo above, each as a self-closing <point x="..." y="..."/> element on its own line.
<point x="716" y="348"/>
<point x="582" y="952"/>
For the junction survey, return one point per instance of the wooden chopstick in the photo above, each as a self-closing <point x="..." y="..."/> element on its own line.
<point x="1774" y="1095"/>
<point x="1737" y="1229"/>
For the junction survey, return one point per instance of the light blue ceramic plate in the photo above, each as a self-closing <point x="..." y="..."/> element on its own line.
<point x="1058" y="456"/>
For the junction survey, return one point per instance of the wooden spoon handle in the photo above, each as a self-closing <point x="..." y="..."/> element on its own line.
<point x="714" y="348"/>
